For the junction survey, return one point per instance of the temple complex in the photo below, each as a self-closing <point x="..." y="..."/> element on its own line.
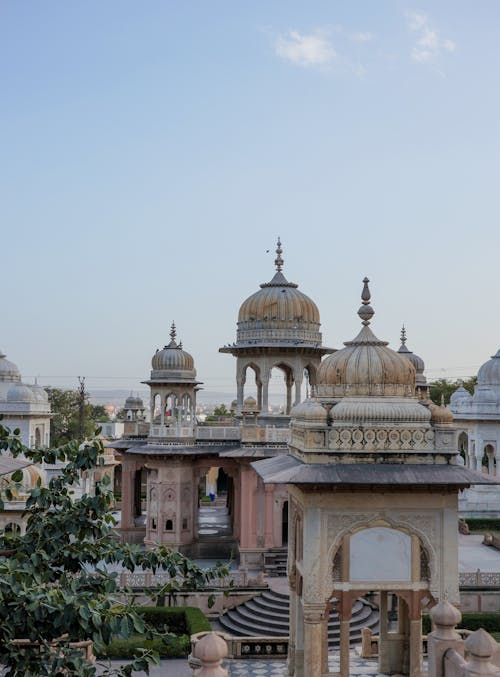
<point x="373" y="484"/>
<point x="477" y="418"/>
<point x="171" y="464"/>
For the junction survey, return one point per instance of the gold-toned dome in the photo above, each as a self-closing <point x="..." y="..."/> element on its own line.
<point x="278" y="312"/>
<point x="366" y="366"/>
<point x="172" y="358"/>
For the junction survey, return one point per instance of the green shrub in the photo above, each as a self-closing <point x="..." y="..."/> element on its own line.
<point x="180" y="621"/>
<point x="170" y="647"/>
<point x="470" y="621"/>
<point x="483" y="523"/>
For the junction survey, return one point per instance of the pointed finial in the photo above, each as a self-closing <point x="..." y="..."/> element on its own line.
<point x="442" y="400"/>
<point x="366" y="312"/>
<point x="173" y="332"/>
<point x="278" y="261"/>
<point x="180" y="345"/>
<point x="403" y="335"/>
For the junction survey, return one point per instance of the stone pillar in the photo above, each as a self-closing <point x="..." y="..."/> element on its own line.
<point x="415" y="618"/>
<point x="289" y="385"/>
<point x="479" y="453"/>
<point x="265" y="395"/>
<point x="128" y="496"/>
<point x="292" y="631"/>
<point x="269" y="540"/>
<point x="299" y="641"/>
<point x="240" y="389"/>
<point x="314" y="615"/>
<point x="298" y="387"/>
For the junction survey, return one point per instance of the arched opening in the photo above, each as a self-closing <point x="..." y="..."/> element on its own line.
<point x="117" y="482"/>
<point x="463" y="447"/>
<point x="222" y="478"/>
<point x="310" y="380"/>
<point x="254" y="389"/>
<point x="169" y="525"/>
<point x="281" y="382"/>
<point x="140" y="494"/>
<point x="157" y="409"/>
<point x="489" y="455"/>
<point x="171" y="410"/>
<point x="186" y="413"/>
<point x="38" y="438"/>
<point x="284" y="523"/>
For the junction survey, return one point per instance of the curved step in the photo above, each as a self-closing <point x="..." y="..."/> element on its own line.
<point x="267" y="615"/>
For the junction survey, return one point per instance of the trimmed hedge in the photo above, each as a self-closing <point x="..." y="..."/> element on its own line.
<point x="483" y="523"/>
<point x="181" y="621"/>
<point x="470" y="621"/>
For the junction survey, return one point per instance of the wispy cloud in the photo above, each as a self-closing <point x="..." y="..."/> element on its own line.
<point x="314" y="49"/>
<point x="429" y="45"/>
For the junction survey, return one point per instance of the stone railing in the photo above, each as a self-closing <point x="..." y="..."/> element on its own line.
<point x="240" y="647"/>
<point x="481" y="579"/>
<point x="449" y="655"/>
<point x="172" y="431"/>
<point x="218" y="433"/>
<point x="144" y="580"/>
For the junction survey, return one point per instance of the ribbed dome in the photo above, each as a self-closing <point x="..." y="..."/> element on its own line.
<point x="8" y="370"/>
<point x="40" y="394"/>
<point x="417" y="361"/>
<point x="278" y="312"/>
<point x="460" y="396"/>
<point x="374" y="410"/>
<point x="366" y="366"/>
<point x="309" y="410"/>
<point x="489" y="373"/>
<point x="172" y="358"/>
<point x="21" y="393"/>
<point x="133" y="403"/>
<point x="250" y="403"/>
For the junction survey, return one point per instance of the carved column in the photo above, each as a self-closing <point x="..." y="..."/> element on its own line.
<point x="314" y="616"/>
<point x="269" y="540"/>
<point x="128" y="496"/>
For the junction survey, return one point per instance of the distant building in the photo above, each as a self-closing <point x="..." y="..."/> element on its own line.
<point x="23" y="406"/>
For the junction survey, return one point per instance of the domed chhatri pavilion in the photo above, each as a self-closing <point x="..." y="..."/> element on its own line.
<point x="23" y="406"/>
<point x="477" y="418"/>
<point x="278" y="326"/>
<point x="373" y="491"/>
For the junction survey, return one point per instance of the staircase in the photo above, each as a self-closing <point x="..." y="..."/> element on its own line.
<point x="267" y="615"/>
<point x="275" y="562"/>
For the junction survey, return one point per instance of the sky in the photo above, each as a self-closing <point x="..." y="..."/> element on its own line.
<point x="152" y="152"/>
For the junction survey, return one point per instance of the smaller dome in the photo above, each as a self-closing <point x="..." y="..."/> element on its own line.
<point x="8" y="370"/>
<point x="250" y="402"/>
<point x="173" y="358"/>
<point x="366" y="366"/>
<point x="234" y="405"/>
<point x="309" y="410"/>
<point x="133" y="403"/>
<point x="460" y="396"/>
<point x="489" y="373"/>
<point x="21" y="393"/>
<point x="417" y="361"/>
<point x="440" y="414"/>
<point x="40" y="394"/>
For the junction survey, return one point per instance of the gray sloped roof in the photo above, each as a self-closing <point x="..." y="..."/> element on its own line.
<point x="290" y="470"/>
<point x="9" y="464"/>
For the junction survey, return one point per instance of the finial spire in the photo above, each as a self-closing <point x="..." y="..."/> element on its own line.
<point x="403" y="335"/>
<point x="278" y="261"/>
<point x="173" y="332"/>
<point x="366" y="312"/>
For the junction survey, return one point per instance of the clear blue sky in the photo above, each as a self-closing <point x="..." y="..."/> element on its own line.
<point x="152" y="152"/>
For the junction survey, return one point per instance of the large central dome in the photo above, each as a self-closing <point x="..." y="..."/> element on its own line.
<point x="278" y="312"/>
<point x="366" y="366"/>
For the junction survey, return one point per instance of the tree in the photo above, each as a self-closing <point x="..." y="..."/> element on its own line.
<point x="65" y="406"/>
<point x="55" y="584"/>
<point x="221" y="410"/>
<point x="444" y="387"/>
